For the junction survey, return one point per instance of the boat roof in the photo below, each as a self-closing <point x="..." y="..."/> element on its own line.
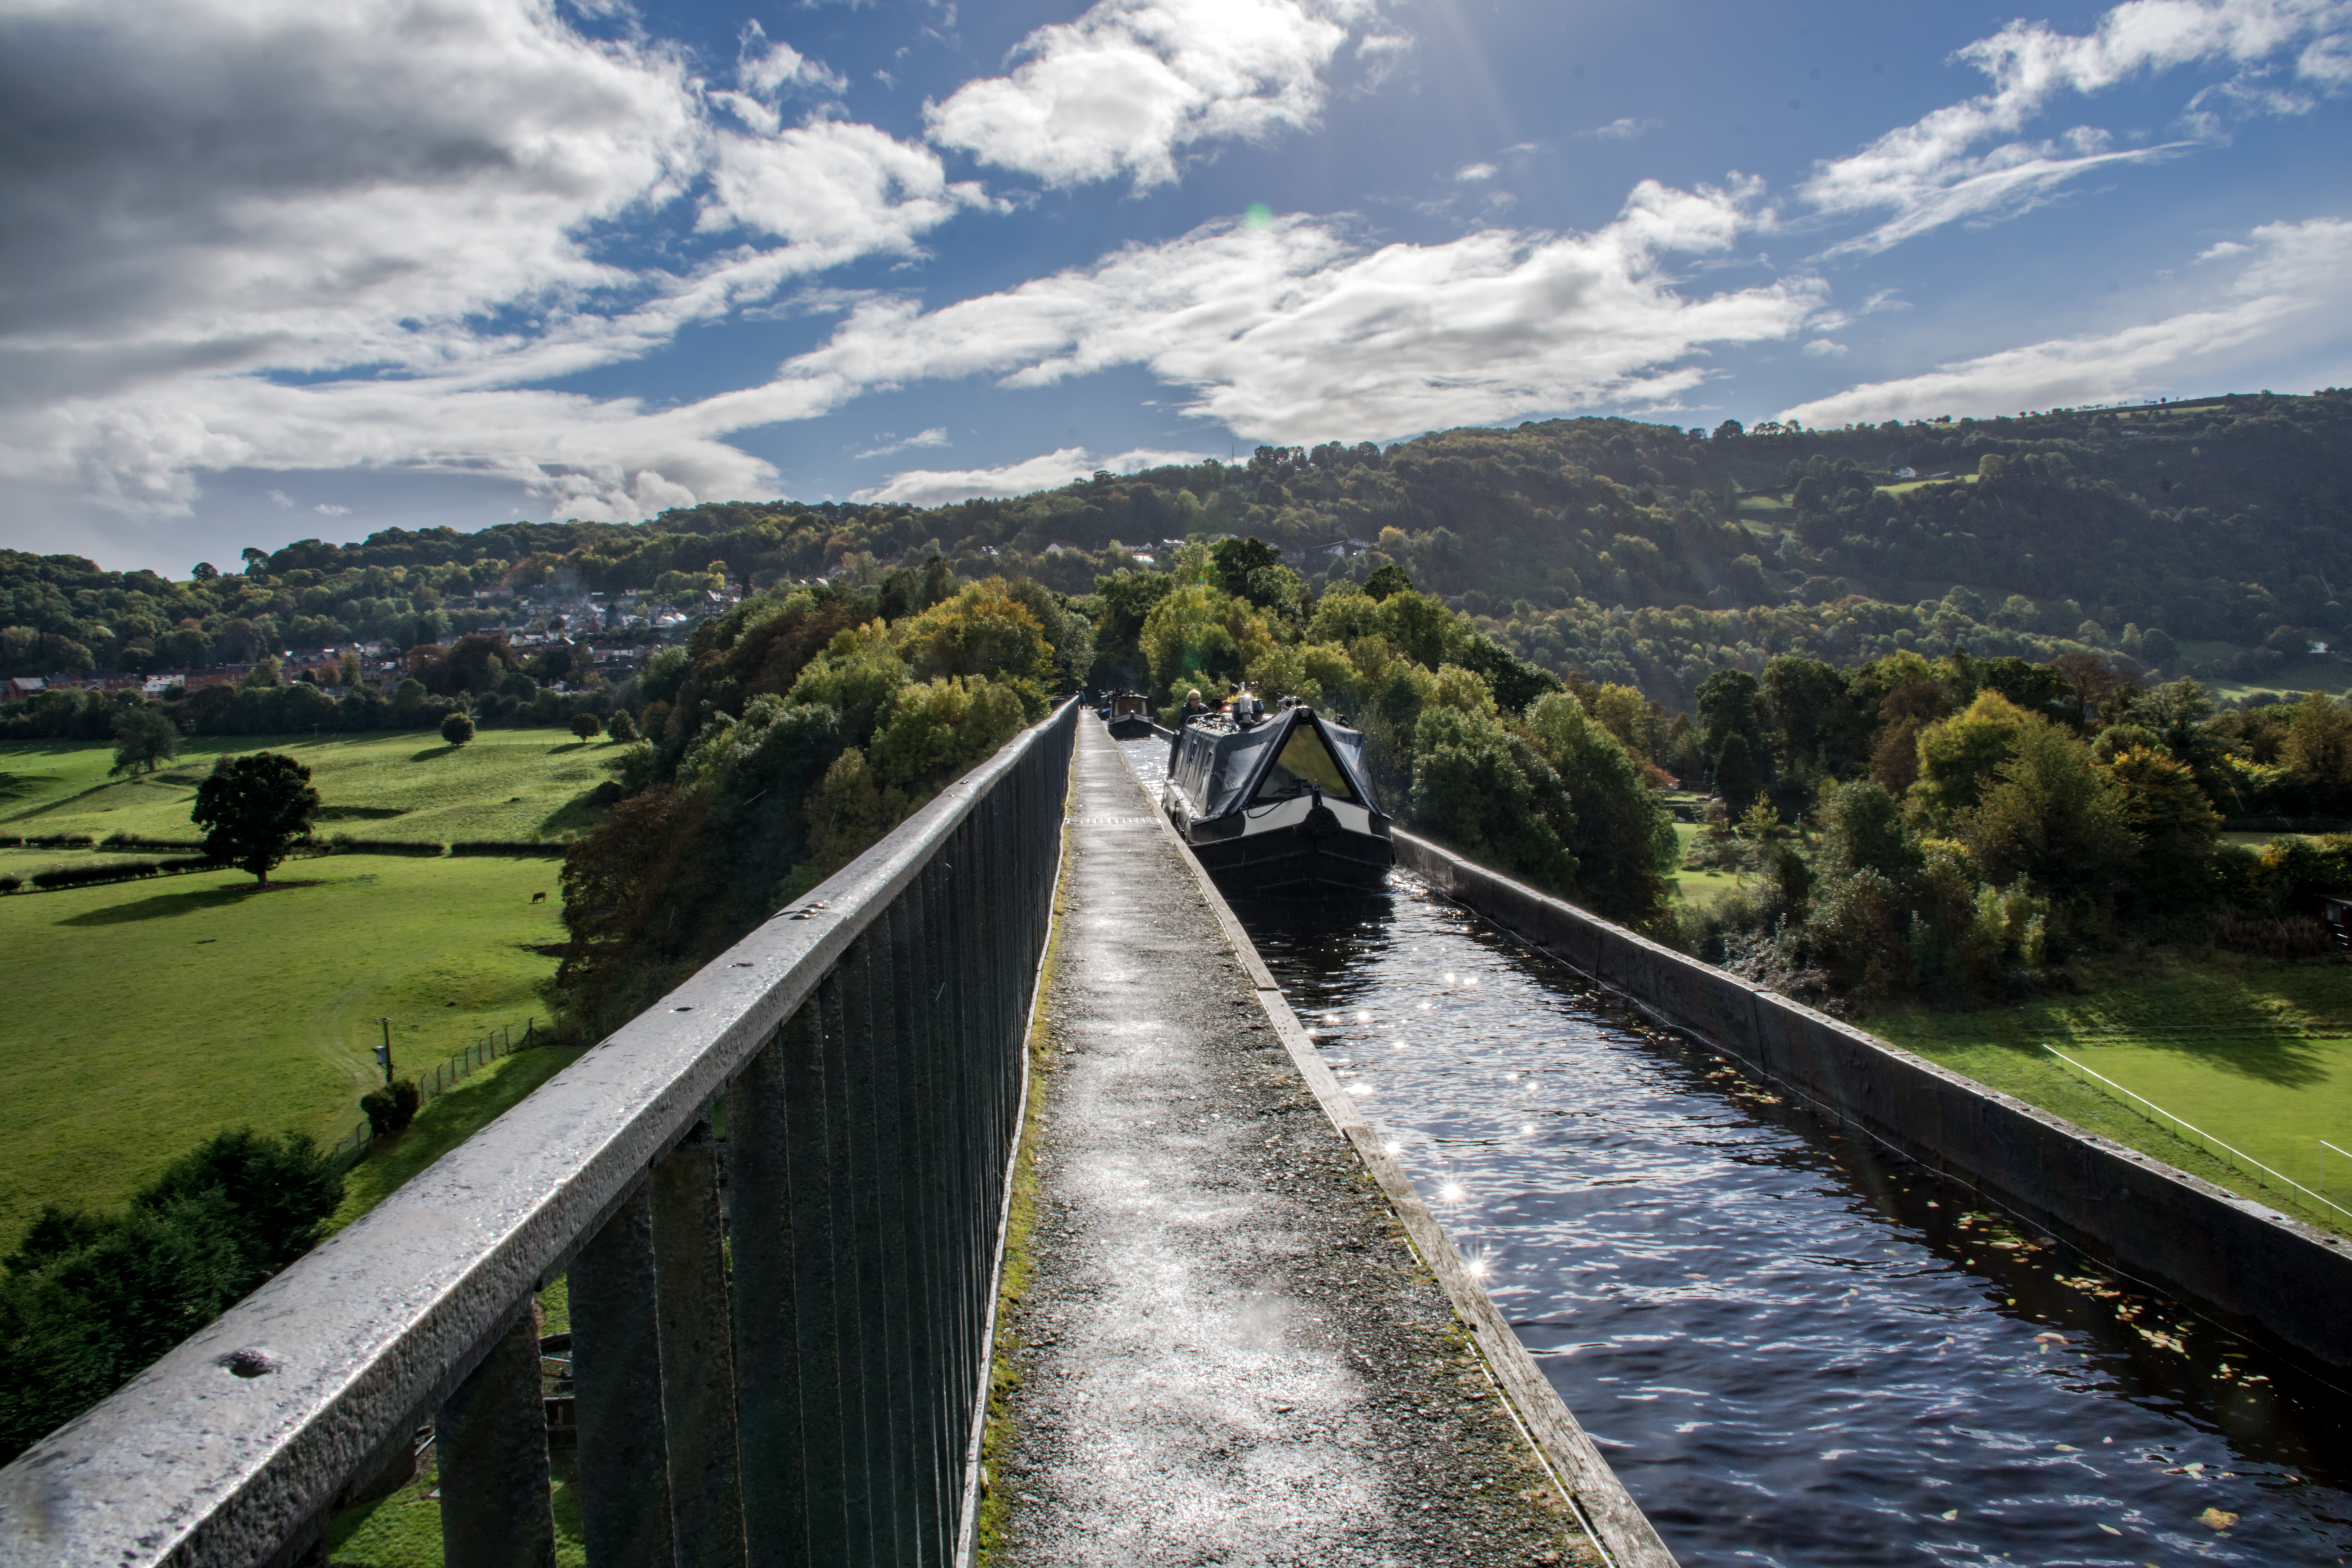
<point x="1221" y="768"/>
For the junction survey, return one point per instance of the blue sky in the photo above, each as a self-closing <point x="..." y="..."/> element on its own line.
<point x="275" y="269"/>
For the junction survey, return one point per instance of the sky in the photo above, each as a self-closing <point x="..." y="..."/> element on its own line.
<point x="270" y="270"/>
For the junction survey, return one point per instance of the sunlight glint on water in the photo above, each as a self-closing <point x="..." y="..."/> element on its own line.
<point x="1793" y="1349"/>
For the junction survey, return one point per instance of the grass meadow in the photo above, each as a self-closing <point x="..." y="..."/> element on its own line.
<point x="504" y="784"/>
<point x="144" y="1017"/>
<point x="2254" y="1053"/>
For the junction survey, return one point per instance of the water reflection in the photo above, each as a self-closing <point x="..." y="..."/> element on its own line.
<point x="1794" y="1350"/>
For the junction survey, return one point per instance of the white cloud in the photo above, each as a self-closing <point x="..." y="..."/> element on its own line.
<point x="833" y="190"/>
<point x="1826" y="348"/>
<point x="1927" y="174"/>
<point x="2300" y="279"/>
<point x="353" y="203"/>
<point x="1623" y="130"/>
<point x="142" y="452"/>
<point x="935" y="436"/>
<point x="1473" y="172"/>
<point x="280" y="500"/>
<point x="770" y="68"/>
<point x="1291" y="332"/>
<point x="935" y="487"/>
<point x="433" y="220"/>
<point x="328" y="508"/>
<point x="1123" y="87"/>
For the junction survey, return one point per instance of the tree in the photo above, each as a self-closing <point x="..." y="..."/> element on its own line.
<point x="206" y="572"/>
<point x="587" y="726"/>
<point x="1957" y="756"/>
<point x="623" y="728"/>
<point x="87" y="1300"/>
<point x="1389" y="579"/>
<point x="254" y="809"/>
<point x="1623" y="841"/>
<point x="145" y="740"/>
<point x="1737" y="752"/>
<point x="458" y="728"/>
<point x="2318" y="751"/>
<point x="2175" y="824"/>
<point x="2054" y="815"/>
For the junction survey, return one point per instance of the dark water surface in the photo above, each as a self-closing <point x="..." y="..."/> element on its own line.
<point x="1793" y="1348"/>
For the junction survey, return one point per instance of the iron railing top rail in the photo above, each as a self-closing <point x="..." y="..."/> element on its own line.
<point x="232" y="1444"/>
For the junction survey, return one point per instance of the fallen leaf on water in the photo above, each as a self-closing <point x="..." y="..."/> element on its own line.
<point x="2110" y="1529"/>
<point x="2068" y="1449"/>
<point x="2218" y="1518"/>
<point x="1953" y="1514"/>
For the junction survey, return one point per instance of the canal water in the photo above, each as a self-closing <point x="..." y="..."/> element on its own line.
<point x="1794" y="1349"/>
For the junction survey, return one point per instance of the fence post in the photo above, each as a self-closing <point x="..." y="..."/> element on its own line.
<point x="617" y="1377"/>
<point x="490" y="1437"/>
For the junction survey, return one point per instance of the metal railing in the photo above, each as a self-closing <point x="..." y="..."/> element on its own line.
<point x="785" y="1368"/>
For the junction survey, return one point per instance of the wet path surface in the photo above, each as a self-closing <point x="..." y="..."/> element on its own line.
<point x="1223" y="1351"/>
<point x="1793" y="1350"/>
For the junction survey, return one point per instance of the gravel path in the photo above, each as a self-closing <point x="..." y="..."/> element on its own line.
<point x="1223" y="1351"/>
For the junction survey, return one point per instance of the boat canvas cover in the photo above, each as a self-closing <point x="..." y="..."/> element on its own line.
<point x="1222" y="773"/>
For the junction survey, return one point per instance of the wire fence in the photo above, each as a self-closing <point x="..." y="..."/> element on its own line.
<point x="501" y="1041"/>
<point x="2246" y="1162"/>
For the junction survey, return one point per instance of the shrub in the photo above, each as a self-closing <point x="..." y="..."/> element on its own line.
<point x="87" y="876"/>
<point x="344" y="844"/>
<point x="624" y="729"/>
<point x="390" y="1109"/>
<point x="2294" y="936"/>
<point x="10" y="882"/>
<point x="457" y="729"/>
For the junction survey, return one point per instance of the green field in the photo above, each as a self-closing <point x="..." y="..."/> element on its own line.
<point x="143" y="1017"/>
<point x="1699" y="889"/>
<point x="504" y="784"/>
<point x="2254" y="1053"/>
<point x="1907" y="486"/>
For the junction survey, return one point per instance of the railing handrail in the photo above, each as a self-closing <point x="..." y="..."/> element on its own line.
<point x="363" y="1337"/>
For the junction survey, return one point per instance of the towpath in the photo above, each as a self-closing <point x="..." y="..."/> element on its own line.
<point x="1220" y="1349"/>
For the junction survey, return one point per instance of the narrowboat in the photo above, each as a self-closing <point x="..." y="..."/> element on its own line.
<point x="1278" y="806"/>
<point x="1128" y="714"/>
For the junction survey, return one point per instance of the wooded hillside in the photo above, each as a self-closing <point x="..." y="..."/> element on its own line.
<point x="1642" y="553"/>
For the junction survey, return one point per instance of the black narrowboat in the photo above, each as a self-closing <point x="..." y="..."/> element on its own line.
<point x="1128" y="714"/>
<point x="1281" y="807"/>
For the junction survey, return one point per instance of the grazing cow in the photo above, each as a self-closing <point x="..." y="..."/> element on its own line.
<point x="539" y="898"/>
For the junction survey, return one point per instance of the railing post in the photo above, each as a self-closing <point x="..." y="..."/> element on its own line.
<point x="762" y="1217"/>
<point x="616" y="1376"/>
<point x="913" y="1249"/>
<point x="954" y="918"/>
<point x="878" y="1083"/>
<point x="950" y="1199"/>
<point x="840" y="1006"/>
<point x="697" y="1358"/>
<point x="819" y="1247"/>
<point x="490" y="1438"/>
